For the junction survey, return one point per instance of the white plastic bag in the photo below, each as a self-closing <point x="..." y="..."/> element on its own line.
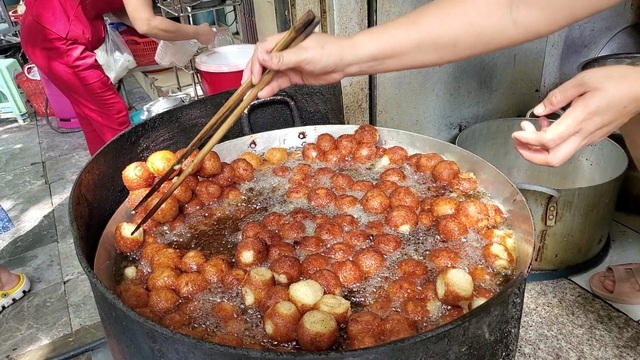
<point x="114" y="56"/>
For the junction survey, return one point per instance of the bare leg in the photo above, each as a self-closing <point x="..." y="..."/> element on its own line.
<point x="8" y="280"/>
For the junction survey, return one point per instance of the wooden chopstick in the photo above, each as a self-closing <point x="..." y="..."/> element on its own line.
<point x="237" y="104"/>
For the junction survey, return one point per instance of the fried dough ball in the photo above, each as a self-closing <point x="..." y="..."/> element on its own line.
<point x="398" y="326"/>
<point x="387" y="243"/>
<point x="450" y="229"/>
<point x="358" y="238"/>
<point x="415" y="309"/>
<point x="337" y="306"/>
<point x="313" y="263"/>
<point x="224" y="311"/>
<point x="395" y="155"/>
<point x="191" y="284"/>
<point x="320" y="219"/>
<point x="445" y="171"/>
<point x="300" y="179"/>
<point x="191" y="181"/>
<point x="161" y="161"/>
<point x="280" y="249"/>
<point x="482" y="276"/>
<point x="166" y="258"/>
<point x="375" y="201"/>
<point x="149" y="251"/>
<point x="339" y="251"/>
<point x="182" y="193"/>
<point x="293" y="231"/>
<point x="464" y="183"/>
<point x="394" y="175"/>
<point x="328" y="231"/>
<point x="226" y="176"/>
<point x="498" y="257"/>
<point x="426" y="219"/>
<point x="189" y="160"/>
<point x="210" y="165"/>
<point x="329" y="281"/>
<point x="305" y="293"/>
<point x="443" y="205"/>
<point x="281" y="171"/>
<point x="404" y="196"/>
<point x="167" y="211"/>
<point x="402" y="219"/>
<point x="300" y="214"/>
<point x="231" y="193"/>
<point x="347" y="144"/>
<point x="386" y="186"/>
<point x="269" y="237"/>
<point x="321" y="198"/>
<point x="274" y="295"/>
<point x="500" y="236"/>
<point x="193" y="206"/>
<point x="233" y="278"/>
<point x="252" y="229"/>
<point x="370" y="260"/>
<point x="348" y="222"/>
<point x="302" y="168"/>
<point x="273" y="220"/>
<point x="473" y="213"/>
<point x="311" y="152"/>
<point x="341" y="182"/>
<point x="135" y="196"/>
<point x="317" y="331"/>
<point x="334" y="157"/>
<point x="412" y="268"/>
<point x="364" y="329"/>
<point x="323" y="172"/>
<point x="165" y="278"/>
<point x="137" y="176"/>
<point x="366" y="134"/>
<point x="454" y="287"/>
<point x="215" y="269"/>
<point x="250" y="252"/>
<point x="326" y="142"/>
<point x="375" y="227"/>
<point x="349" y="272"/>
<point x="311" y="244"/>
<point x="286" y="269"/>
<point x="124" y="241"/>
<point x="174" y="320"/>
<point x="208" y="191"/>
<point x="426" y="162"/>
<point x="403" y="288"/>
<point x="281" y="320"/>
<point x="254" y="159"/>
<point x="480" y="296"/>
<point x="192" y="261"/>
<point x="255" y="285"/>
<point x="346" y="202"/>
<point x="163" y="300"/>
<point x="134" y="296"/>
<point x="444" y="258"/>
<point x="364" y="153"/>
<point x="243" y="170"/>
<point x="276" y="155"/>
<point x="362" y="186"/>
<point x="496" y="215"/>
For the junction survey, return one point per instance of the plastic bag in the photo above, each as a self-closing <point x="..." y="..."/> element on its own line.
<point x="114" y="56"/>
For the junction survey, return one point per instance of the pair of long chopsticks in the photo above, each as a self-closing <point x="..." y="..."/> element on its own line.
<point x="228" y="114"/>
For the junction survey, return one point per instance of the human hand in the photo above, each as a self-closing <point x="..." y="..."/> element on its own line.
<point x="602" y="100"/>
<point x="205" y="35"/>
<point x="318" y="60"/>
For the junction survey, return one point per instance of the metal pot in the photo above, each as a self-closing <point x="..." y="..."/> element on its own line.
<point x="572" y="205"/>
<point x="488" y="332"/>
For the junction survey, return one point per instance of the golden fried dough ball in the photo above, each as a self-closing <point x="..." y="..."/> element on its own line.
<point x="161" y="161"/>
<point x="364" y="329"/>
<point x="328" y="231"/>
<point x="498" y="257"/>
<point x="362" y="186"/>
<point x="364" y="153"/>
<point x="255" y="285"/>
<point x="415" y="309"/>
<point x="134" y="296"/>
<point x="341" y="182"/>
<point x="370" y="260"/>
<point x="387" y="243"/>
<point x="313" y="263"/>
<point x="292" y="231"/>
<point x="482" y="276"/>
<point x="347" y="144"/>
<point x="375" y="227"/>
<point x="473" y="213"/>
<point x="426" y="219"/>
<point x="215" y="269"/>
<point x="311" y="244"/>
<point x="135" y="196"/>
<point x="192" y="261"/>
<point x="165" y="278"/>
<point x="273" y="295"/>
<point x="174" y="320"/>
<point x="454" y="287"/>
<point x="320" y="219"/>
<point x="412" y="161"/>
<point x="403" y="288"/>
<point x="286" y="269"/>
<point x="166" y="258"/>
<point x="396" y="155"/>
<point x="303" y="168"/>
<point x="250" y="252"/>
<point x="273" y="220"/>
<point x="323" y="172"/>
<point x="346" y="202"/>
<point x="480" y="296"/>
<point x="269" y="237"/>
<point x="254" y="159"/>
<point x="326" y="142"/>
<point x="443" y="258"/>
<point x="334" y="157"/>
<point x="426" y="162"/>
<point x="281" y="171"/>
<point x="300" y="214"/>
<point x="337" y="306"/>
<point x="280" y="249"/>
<point x="137" y="176"/>
<point x="402" y="219"/>
<point x="276" y="155"/>
<point x="311" y="152"/>
<point x="233" y="278"/>
<point x="182" y="193"/>
<point x="167" y="211"/>
<point x="339" y="251"/>
<point x="348" y="222"/>
<point x="404" y="196"/>
<point x="208" y="191"/>
<point x="300" y="179"/>
<point x="177" y="223"/>
<point x="349" y="272"/>
<point x="397" y="326"/>
<point x="366" y="134"/>
<point x="412" y="268"/>
<point x="231" y="193"/>
<point x="226" y="177"/>
<point x="191" y="284"/>
<point x="317" y="331"/>
<point x="445" y="171"/>
<point x="149" y="250"/>
<point x="124" y="241"/>
<point x="443" y="205"/>
<point x="386" y="186"/>
<point x="450" y="229"/>
<point x="194" y="205"/>
<point x="252" y="229"/>
<point x="189" y="160"/>
<point x="496" y="215"/>
<point x="394" y="175"/>
<point x="210" y="165"/>
<point x="464" y="183"/>
<point x="305" y="293"/>
<point x="243" y="170"/>
<point x="329" y="281"/>
<point x="375" y="201"/>
<point x="321" y="198"/>
<point x="192" y="182"/>
<point x="358" y="238"/>
<point x="163" y="301"/>
<point x="281" y="320"/>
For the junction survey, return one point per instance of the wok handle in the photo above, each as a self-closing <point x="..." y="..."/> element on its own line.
<point x="279" y="97"/>
<point x="530" y="113"/>
<point x="552" y="203"/>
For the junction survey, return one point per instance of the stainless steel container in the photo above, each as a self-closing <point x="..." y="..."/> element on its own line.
<point x="572" y="205"/>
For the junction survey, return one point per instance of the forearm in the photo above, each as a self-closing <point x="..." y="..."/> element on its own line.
<point x="444" y="31"/>
<point x="161" y="28"/>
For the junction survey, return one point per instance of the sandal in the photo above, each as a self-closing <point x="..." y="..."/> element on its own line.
<point x="10" y="296"/>
<point x="627" y="278"/>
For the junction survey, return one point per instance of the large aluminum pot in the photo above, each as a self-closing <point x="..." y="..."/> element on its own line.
<point x="572" y="205"/>
<point x="488" y="332"/>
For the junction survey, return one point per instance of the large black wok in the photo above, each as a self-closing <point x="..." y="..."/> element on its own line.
<point x="488" y="332"/>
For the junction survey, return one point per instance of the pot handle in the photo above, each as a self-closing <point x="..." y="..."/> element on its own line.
<point x="530" y="113"/>
<point x="552" y="203"/>
<point x="279" y="97"/>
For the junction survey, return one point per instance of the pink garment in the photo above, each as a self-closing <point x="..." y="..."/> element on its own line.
<point x="59" y="37"/>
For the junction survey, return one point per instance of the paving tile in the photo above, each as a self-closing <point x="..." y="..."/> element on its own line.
<point x="69" y="262"/>
<point x="37" y="319"/>
<point x="90" y="337"/>
<point x="60" y="191"/>
<point x="54" y="145"/>
<point x="21" y="179"/>
<point x="82" y="306"/>
<point x="42" y="266"/>
<point x="63" y="227"/>
<point x="19" y="155"/>
<point x="66" y="167"/>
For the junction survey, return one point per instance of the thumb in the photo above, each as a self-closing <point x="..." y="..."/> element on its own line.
<point x="561" y="96"/>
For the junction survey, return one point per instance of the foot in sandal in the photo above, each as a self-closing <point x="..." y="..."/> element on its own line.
<point x="13" y="287"/>
<point x="618" y="283"/>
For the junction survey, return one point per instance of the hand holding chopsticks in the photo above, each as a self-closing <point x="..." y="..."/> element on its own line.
<point x="222" y="121"/>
